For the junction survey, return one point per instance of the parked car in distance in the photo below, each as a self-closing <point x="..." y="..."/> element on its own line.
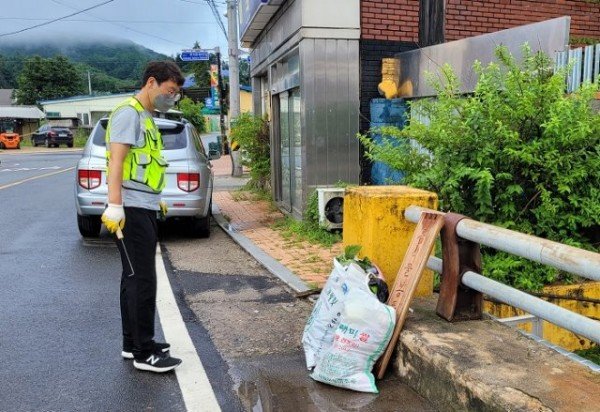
<point x="52" y="136"/>
<point x="189" y="178"/>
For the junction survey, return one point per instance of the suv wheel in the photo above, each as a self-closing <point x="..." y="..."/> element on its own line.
<point x="89" y="226"/>
<point x="69" y="144"/>
<point x="200" y="227"/>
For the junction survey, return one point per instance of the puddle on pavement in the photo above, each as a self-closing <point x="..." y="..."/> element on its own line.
<point x="277" y="391"/>
<point x="269" y="394"/>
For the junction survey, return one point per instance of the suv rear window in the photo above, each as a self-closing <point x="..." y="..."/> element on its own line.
<point x="173" y="135"/>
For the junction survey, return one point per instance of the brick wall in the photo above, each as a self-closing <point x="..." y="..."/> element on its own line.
<point x="392" y="20"/>
<point x="470" y="18"/>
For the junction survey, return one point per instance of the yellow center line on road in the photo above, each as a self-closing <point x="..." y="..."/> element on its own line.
<point x="35" y="177"/>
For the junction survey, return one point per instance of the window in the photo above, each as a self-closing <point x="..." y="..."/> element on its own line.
<point x="173" y="134"/>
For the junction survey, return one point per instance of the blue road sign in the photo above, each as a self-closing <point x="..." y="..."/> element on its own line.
<point x="194" y="55"/>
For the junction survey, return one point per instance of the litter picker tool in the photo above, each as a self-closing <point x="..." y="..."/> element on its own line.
<point x="120" y="237"/>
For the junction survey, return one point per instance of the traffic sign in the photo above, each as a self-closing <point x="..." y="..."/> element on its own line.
<point x="194" y="55"/>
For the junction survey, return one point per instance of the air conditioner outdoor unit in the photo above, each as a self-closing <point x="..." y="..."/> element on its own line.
<point x="331" y="207"/>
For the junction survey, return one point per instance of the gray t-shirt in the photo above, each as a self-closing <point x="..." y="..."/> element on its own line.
<point x="127" y="126"/>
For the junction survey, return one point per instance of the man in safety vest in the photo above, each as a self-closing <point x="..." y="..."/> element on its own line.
<point x="136" y="177"/>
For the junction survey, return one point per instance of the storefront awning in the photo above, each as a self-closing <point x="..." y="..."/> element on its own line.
<point x="21" y="112"/>
<point x="254" y="17"/>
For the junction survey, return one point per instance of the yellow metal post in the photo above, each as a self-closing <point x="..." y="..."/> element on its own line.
<point x="374" y="219"/>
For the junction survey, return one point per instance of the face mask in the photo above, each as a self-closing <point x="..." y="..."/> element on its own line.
<point x="163" y="102"/>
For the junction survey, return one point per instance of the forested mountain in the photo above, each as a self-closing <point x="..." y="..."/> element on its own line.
<point x="114" y="65"/>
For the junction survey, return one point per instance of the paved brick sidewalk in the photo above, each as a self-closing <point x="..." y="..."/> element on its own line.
<point x="254" y="218"/>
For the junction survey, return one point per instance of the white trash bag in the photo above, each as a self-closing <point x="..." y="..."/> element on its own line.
<point x="362" y="335"/>
<point x="325" y="317"/>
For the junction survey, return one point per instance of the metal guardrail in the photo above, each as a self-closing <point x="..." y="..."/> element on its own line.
<point x="570" y="259"/>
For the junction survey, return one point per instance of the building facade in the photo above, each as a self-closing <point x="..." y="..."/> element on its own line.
<point x="316" y="66"/>
<point x="305" y="77"/>
<point x="88" y="109"/>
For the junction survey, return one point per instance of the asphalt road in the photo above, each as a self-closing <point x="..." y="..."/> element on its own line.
<point x="59" y="309"/>
<point x="60" y="335"/>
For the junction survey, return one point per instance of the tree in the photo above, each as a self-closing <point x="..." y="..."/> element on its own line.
<point x="5" y="75"/>
<point x="244" y="72"/>
<point x="47" y="79"/>
<point x="191" y="111"/>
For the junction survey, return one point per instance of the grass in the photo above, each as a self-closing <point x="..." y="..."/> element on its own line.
<point x="250" y="192"/>
<point x="306" y="231"/>
<point x="592" y="354"/>
<point x="80" y="137"/>
<point x="312" y="259"/>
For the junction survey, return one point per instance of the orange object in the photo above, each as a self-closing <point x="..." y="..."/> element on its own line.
<point x="10" y="140"/>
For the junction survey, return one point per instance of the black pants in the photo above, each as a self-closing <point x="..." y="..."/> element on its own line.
<point x="138" y="292"/>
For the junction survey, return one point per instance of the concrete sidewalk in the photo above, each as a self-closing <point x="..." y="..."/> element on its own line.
<point x="253" y="219"/>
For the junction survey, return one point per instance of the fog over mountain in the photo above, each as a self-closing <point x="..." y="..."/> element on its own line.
<point x="114" y="63"/>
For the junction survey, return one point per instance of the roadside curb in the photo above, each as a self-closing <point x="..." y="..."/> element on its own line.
<point x="272" y="265"/>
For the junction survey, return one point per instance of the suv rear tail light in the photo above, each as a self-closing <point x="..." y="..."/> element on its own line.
<point x="89" y="179"/>
<point x="188" y="182"/>
<point x="51" y="134"/>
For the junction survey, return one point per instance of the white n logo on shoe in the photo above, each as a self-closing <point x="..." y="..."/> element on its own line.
<point x="152" y="359"/>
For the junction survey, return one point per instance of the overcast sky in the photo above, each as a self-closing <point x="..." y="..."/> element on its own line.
<point x="165" y="26"/>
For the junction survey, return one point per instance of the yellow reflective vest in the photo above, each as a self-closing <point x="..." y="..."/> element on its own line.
<point x="144" y="164"/>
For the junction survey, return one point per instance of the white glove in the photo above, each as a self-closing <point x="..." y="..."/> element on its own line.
<point x="114" y="217"/>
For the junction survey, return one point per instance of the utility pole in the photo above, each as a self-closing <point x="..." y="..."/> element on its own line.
<point x="89" y="83"/>
<point x="234" y="77"/>
<point x="221" y="103"/>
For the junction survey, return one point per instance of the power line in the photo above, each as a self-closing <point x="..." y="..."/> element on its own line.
<point x="55" y="20"/>
<point x="195" y="2"/>
<point x="124" y="27"/>
<point x="215" y="11"/>
<point x="115" y="21"/>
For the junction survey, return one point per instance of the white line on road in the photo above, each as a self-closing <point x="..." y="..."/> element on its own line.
<point x="197" y="392"/>
<point x="35" y="177"/>
<point x="28" y="169"/>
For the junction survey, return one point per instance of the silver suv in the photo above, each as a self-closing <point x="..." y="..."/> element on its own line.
<point x="188" y="191"/>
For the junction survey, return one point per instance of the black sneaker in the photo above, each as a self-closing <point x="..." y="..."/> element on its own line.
<point x="157" y="362"/>
<point x="160" y="347"/>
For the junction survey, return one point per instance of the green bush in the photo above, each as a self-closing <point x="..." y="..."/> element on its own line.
<point x="191" y="111"/>
<point x="518" y="153"/>
<point x="251" y="133"/>
<point x="592" y="354"/>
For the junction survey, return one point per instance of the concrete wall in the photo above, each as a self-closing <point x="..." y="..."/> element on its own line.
<point x="583" y="299"/>
<point x="486" y="366"/>
<point x="346" y="12"/>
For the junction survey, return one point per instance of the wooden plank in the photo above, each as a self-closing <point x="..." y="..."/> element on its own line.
<point x="408" y="277"/>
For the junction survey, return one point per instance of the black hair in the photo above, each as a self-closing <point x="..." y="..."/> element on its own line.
<point x="163" y="71"/>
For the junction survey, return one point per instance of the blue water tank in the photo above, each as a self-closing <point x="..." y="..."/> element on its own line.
<point x="386" y="112"/>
